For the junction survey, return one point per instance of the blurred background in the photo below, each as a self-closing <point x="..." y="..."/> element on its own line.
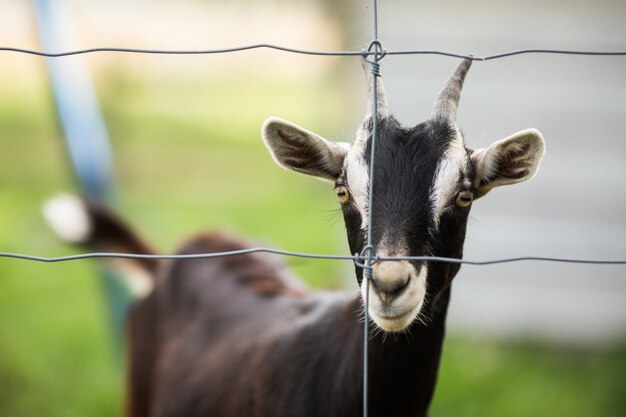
<point x="524" y="339"/>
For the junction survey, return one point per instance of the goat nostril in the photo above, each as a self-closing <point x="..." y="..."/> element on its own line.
<point x="399" y="286"/>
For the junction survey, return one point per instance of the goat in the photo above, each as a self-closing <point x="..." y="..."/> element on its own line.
<point x="235" y="336"/>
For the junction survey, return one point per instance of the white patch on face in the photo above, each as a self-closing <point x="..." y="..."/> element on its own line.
<point x="397" y="315"/>
<point x="358" y="176"/>
<point x="449" y="170"/>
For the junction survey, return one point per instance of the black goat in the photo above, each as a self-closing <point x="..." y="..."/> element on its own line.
<point x="234" y="336"/>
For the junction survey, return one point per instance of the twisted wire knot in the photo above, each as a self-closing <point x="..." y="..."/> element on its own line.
<point x="365" y="259"/>
<point x="375" y="68"/>
<point x="376" y="50"/>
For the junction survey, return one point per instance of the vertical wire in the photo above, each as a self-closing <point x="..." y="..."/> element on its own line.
<point x="367" y="271"/>
<point x="375" y="18"/>
<point x="366" y="340"/>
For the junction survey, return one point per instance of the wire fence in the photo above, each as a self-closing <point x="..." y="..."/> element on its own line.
<point x="368" y="256"/>
<point x="364" y="53"/>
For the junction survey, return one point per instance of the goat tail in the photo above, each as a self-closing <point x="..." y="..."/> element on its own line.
<point x="91" y="225"/>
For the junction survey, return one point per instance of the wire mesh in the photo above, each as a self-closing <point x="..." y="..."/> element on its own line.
<point x="368" y="257"/>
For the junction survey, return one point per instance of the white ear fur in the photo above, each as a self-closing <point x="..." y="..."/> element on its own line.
<point x="298" y="149"/>
<point x="508" y="161"/>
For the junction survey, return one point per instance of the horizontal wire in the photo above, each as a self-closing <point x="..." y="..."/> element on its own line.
<point x="310" y="52"/>
<point x="184" y="51"/>
<point x="506" y="54"/>
<point x="503" y="260"/>
<point x="113" y="255"/>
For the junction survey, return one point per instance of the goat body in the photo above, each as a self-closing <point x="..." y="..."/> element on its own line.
<point x="232" y="337"/>
<point x="237" y="336"/>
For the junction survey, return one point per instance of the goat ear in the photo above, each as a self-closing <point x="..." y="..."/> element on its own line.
<point x="508" y="161"/>
<point x="297" y="149"/>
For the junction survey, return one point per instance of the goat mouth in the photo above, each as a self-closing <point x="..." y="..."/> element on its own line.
<point x="397" y="316"/>
<point x="395" y="322"/>
<point x="394" y="315"/>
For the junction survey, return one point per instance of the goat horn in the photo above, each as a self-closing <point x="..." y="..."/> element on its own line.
<point x="381" y="106"/>
<point x="448" y="98"/>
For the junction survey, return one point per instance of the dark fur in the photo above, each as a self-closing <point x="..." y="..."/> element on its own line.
<point x="207" y="342"/>
<point x="232" y="336"/>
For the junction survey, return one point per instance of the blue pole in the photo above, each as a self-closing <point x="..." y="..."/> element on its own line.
<point x="84" y="131"/>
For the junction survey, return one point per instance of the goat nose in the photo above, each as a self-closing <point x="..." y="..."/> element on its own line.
<point x="391" y="287"/>
<point x="389" y="278"/>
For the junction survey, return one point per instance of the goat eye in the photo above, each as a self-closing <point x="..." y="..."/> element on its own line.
<point x="464" y="199"/>
<point x="343" y="195"/>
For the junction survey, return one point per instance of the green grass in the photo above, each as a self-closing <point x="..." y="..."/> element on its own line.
<point x="189" y="157"/>
<point x="486" y="378"/>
